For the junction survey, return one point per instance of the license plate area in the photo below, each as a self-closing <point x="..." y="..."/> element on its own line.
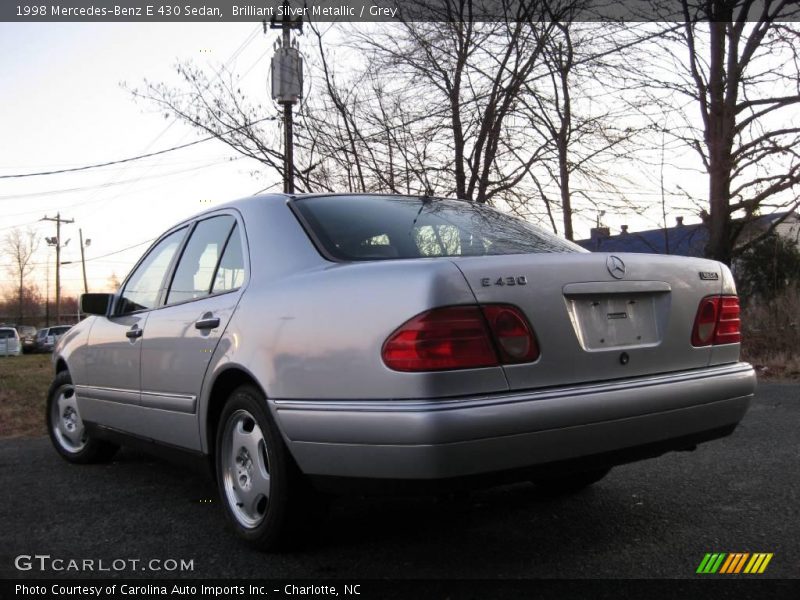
<point x="618" y="320"/>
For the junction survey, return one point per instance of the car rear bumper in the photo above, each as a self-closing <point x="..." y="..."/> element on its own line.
<point x="450" y="438"/>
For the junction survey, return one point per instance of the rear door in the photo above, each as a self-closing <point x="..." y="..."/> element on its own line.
<point x="183" y="334"/>
<point x="599" y="317"/>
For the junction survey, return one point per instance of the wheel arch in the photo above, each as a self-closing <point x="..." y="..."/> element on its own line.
<point x="222" y="386"/>
<point x="61" y="365"/>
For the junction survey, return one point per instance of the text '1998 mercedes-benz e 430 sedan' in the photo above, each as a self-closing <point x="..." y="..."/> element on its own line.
<point x="322" y="342"/>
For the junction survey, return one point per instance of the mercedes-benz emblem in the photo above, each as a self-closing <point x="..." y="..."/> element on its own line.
<point x="615" y="266"/>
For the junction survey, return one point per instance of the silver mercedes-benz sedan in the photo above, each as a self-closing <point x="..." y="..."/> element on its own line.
<point x="325" y="342"/>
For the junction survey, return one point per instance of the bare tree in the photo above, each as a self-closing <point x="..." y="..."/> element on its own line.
<point x="20" y="246"/>
<point x="571" y="106"/>
<point x="467" y="80"/>
<point x="738" y="64"/>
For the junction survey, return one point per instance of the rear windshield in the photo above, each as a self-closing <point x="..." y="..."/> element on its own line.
<point x="385" y="227"/>
<point x="6" y="334"/>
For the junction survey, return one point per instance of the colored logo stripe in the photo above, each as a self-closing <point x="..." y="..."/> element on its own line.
<point x="711" y="563"/>
<point x="733" y="563"/>
<point x="759" y="562"/>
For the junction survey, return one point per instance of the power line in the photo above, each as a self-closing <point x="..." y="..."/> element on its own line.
<point x="122" y="250"/>
<point x="99" y="186"/>
<point x="133" y="158"/>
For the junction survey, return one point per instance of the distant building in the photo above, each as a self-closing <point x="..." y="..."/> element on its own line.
<point x="682" y="240"/>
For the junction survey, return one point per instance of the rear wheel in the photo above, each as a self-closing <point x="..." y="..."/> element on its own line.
<point x="266" y="498"/>
<point x="66" y="428"/>
<point x="569" y="483"/>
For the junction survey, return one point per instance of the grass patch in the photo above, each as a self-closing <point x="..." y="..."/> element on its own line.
<point x="770" y="334"/>
<point x="24" y="381"/>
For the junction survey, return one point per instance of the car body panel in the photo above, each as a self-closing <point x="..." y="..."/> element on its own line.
<point x="175" y="356"/>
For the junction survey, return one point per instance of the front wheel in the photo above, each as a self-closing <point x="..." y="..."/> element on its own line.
<point x="66" y="428"/>
<point x="266" y="499"/>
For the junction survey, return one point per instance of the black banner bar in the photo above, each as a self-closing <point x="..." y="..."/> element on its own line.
<point x="378" y="10"/>
<point x="369" y="589"/>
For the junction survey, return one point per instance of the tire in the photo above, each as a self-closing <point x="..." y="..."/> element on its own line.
<point x="267" y="501"/>
<point x="570" y="483"/>
<point x="66" y="428"/>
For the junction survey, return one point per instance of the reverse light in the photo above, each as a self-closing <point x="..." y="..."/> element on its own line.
<point x="513" y="336"/>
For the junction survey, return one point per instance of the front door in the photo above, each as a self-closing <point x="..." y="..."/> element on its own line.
<point x="110" y="393"/>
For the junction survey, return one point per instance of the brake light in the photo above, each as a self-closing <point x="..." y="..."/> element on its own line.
<point x="461" y="337"/>
<point x="717" y="321"/>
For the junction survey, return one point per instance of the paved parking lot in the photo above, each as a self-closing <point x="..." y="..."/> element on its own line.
<point x="651" y="519"/>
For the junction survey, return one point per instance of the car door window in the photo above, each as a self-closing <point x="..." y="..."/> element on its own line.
<point x="230" y="272"/>
<point x="195" y="272"/>
<point x="142" y="289"/>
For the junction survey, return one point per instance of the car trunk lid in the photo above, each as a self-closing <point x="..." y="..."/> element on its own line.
<point x="599" y="317"/>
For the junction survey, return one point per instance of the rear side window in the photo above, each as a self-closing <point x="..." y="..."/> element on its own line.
<point x="195" y="272"/>
<point x="386" y="227"/>
<point x="230" y="273"/>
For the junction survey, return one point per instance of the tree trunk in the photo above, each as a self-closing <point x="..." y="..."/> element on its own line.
<point x="719" y="139"/>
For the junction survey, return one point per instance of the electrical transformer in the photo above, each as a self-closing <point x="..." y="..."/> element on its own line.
<point x="287" y="75"/>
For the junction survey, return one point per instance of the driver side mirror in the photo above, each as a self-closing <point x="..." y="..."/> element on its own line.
<point x="96" y="304"/>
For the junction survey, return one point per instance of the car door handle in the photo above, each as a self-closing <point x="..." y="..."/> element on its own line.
<point x="134" y="332"/>
<point x="207" y="323"/>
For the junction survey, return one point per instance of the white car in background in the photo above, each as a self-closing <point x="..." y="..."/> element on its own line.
<point x="10" y="344"/>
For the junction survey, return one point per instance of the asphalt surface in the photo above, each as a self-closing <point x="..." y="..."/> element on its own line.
<point x="653" y="519"/>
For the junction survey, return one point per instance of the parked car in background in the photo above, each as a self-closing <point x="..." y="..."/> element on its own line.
<point x="321" y="342"/>
<point x="47" y="337"/>
<point x="10" y="344"/>
<point x="27" y="334"/>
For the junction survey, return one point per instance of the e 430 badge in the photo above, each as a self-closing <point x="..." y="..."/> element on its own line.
<point x="511" y="280"/>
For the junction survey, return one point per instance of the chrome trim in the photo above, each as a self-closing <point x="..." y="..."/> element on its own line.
<point x="184" y="403"/>
<point x="616" y="287"/>
<point x="118" y="395"/>
<point x="435" y="404"/>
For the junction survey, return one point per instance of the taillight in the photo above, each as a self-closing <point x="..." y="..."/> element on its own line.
<point x="461" y="337"/>
<point x="717" y="321"/>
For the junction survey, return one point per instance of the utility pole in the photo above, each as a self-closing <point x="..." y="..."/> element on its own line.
<point x="83" y="266"/>
<point x="287" y="85"/>
<point x="83" y="261"/>
<point x="56" y="241"/>
<point x="47" y="300"/>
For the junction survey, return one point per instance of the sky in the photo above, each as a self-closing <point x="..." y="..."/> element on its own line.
<point x="63" y="106"/>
